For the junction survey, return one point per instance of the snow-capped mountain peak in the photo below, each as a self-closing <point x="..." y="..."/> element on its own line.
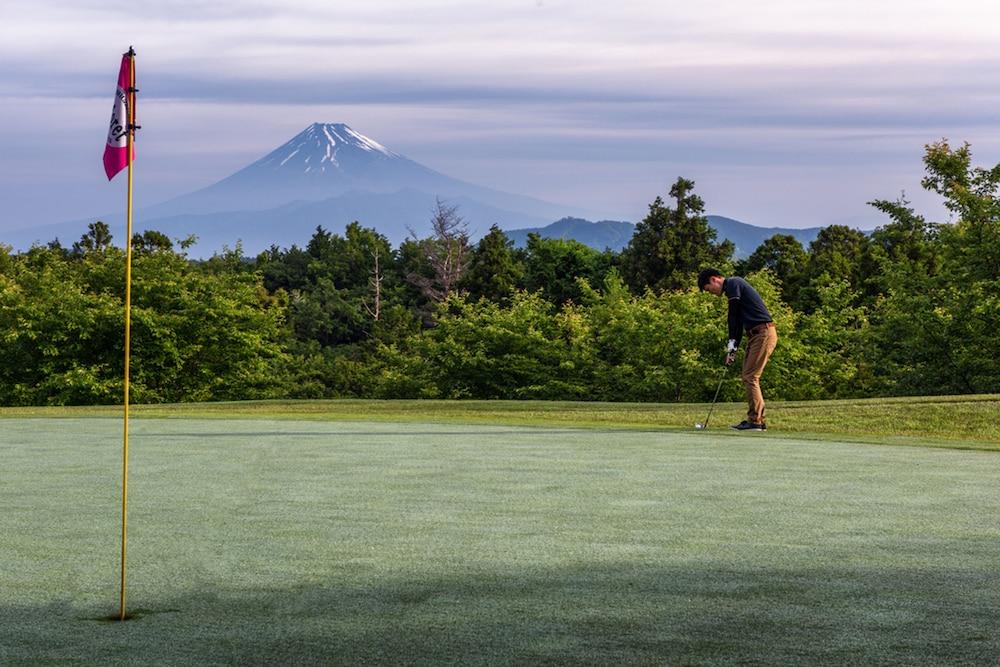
<point x="329" y="173"/>
<point x="358" y="139"/>
<point x="326" y="147"/>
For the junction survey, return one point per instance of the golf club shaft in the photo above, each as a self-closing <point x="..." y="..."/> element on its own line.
<point x="714" y="398"/>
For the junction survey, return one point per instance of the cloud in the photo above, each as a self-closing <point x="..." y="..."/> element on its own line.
<point x="520" y="94"/>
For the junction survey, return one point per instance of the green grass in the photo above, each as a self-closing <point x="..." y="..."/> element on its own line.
<point x="304" y="540"/>
<point x="949" y="421"/>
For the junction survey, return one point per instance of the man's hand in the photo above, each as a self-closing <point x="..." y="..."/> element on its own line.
<point x="730" y="351"/>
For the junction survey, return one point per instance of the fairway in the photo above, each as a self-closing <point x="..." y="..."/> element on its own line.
<point x="256" y="541"/>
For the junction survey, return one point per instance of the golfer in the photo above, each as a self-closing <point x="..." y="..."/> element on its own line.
<point x="747" y="312"/>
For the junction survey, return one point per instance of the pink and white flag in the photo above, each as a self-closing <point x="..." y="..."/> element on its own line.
<point x="115" y="153"/>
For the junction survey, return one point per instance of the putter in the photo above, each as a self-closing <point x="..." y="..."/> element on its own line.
<point x="699" y="426"/>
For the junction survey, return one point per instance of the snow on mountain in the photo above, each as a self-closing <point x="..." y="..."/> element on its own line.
<point x="323" y="146"/>
<point x="324" y="160"/>
<point x="328" y="160"/>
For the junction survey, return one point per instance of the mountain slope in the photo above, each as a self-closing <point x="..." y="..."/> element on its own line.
<point x="393" y="214"/>
<point x="327" y="160"/>
<point x="748" y="238"/>
<point x="599" y="235"/>
<point x="329" y="175"/>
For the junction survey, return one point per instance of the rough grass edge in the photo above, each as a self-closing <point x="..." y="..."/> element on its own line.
<point x="953" y="422"/>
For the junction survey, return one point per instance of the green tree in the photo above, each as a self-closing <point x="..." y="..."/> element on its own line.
<point x="782" y="255"/>
<point x="553" y="267"/>
<point x="837" y="253"/>
<point x="668" y="346"/>
<point x="6" y="259"/>
<point x="654" y="346"/>
<point x="970" y="193"/>
<point x="935" y="325"/>
<point x="902" y="251"/>
<point x="61" y="340"/>
<point x="327" y="314"/>
<point x="833" y="340"/>
<point x="482" y="349"/>
<point x="197" y="333"/>
<point x="340" y="287"/>
<point x="97" y="239"/>
<point x="670" y="245"/>
<point x="203" y="333"/>
<point x="494" y="273"/>
<point x="151" y="241"/>
<point x="285" y="269"/>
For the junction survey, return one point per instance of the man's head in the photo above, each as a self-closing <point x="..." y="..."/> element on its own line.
<point x="710" y="280"/>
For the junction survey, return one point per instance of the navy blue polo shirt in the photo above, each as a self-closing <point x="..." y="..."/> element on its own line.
<point x="746" y="308"/>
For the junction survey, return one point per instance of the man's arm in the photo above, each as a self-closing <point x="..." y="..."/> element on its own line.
<point x="735" y="324"/>
<point x="735" y="321"/>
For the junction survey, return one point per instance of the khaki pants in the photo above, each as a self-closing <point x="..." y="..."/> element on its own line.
<point x="760" y="345"/>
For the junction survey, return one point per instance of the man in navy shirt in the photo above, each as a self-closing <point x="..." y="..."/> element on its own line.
<point x="747" y="312"/>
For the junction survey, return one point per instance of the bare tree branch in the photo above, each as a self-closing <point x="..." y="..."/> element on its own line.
<point x="376" y="283"/>
<point x="446" y="252"/>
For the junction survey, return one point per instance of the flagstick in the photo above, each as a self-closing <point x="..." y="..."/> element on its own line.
<point x="130" y="137"/>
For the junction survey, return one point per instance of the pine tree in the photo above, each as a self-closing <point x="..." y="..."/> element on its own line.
<point x="493" y="272"/>
<point x="671" y="245"/>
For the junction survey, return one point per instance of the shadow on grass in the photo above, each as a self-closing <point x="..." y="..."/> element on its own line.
<point x="585" y="615"/>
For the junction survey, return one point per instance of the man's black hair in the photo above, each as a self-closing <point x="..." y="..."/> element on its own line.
<point x="705" y="275"/>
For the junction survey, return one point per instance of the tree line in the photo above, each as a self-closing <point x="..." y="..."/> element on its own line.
<point x="911" y="308"/>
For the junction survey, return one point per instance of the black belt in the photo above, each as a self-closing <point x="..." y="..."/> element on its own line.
<point x="759" y="329"/>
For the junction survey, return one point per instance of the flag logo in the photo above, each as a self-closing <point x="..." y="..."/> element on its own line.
<point x="115" y="152"/>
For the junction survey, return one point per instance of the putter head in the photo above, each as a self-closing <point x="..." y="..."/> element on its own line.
<point x="699" y="426"/>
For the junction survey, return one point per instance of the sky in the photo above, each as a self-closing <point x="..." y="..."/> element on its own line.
<point x="784" y="113"/>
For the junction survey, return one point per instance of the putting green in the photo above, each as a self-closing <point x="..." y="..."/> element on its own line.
<point x="299" y="542"/>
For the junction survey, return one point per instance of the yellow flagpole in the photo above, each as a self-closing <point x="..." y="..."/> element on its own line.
<point x="130" y="138"/>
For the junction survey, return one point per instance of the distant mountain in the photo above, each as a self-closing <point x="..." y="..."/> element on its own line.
<point x="616" y="235"/>
<point x="390" y="213"/>
<point x="327" y="175"/>
<point x="331" y="175"/>
<point x="326" y="161"/>
<point x="600" y="235"/>
<point x="748" y="238"/>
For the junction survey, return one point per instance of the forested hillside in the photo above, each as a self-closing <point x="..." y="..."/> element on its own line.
<point x="912" y="308"/>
